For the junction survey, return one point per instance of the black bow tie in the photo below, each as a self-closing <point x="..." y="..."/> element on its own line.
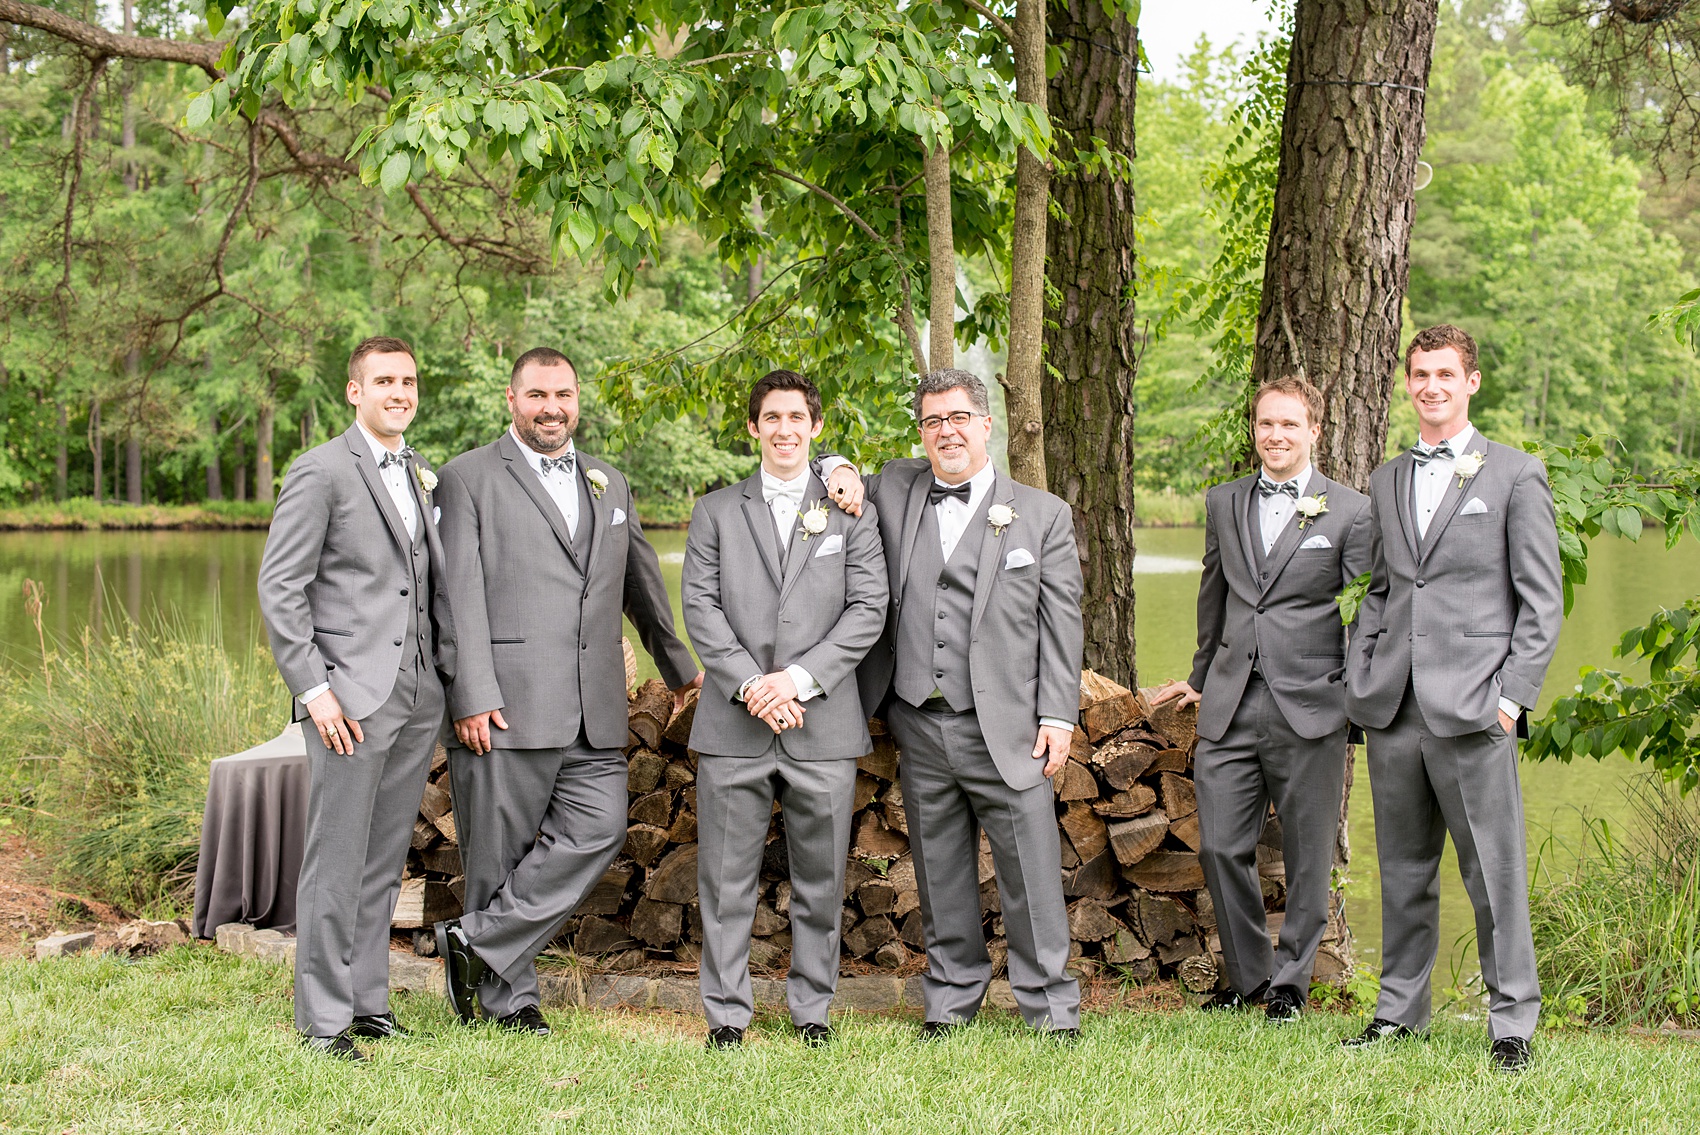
<point x="564" y="463"/>
<point x="1268" y="488"/>
<point x="1422" y="454"/>
<point x="399" y="457"/>
<point x="940" y="492"/>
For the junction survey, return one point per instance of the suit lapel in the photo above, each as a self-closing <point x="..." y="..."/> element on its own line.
<point x="1249" y="525"/>
<point x="1288" y="541"/>
<point x="597" y="516"/>
<point x="760" y="519"/>
<point x="365" y="461"/>
<point x="522" y="472"/>
<point x="986" y="575"/>
<point x="433" y="546"/>
<point x="1450" y="502"/>
<point x="801" y="551"/>
<point x="1403" y="474"/>
<point x="914" y="510"/>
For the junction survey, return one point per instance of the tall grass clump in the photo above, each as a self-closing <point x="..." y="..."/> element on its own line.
<point x="104" y="748"/>
<point x="1618" y="936"/>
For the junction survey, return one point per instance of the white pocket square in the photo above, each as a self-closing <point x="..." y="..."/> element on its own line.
<point x="619" y="517"/>
<point x="1019" y="558"/>
<point x="436" y="514"/>
<point x="830" y="545"/>
<point x="1317" y="541"/>
<point x="1472" y="506"/>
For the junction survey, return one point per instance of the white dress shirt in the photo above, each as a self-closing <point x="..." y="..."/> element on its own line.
<point x="1276" y="509"/>
<point x="785" y="501"/>
<point x="953" y="514"/>
<point x="1429" y="483"/>
<point x="561" y="487"/>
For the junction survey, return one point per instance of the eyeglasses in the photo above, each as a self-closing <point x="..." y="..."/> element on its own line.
<point x="957" y="420"/>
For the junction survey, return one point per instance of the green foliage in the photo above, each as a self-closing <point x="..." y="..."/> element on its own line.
<point x="1352" y="598"/>
<point x="83" y="513"/>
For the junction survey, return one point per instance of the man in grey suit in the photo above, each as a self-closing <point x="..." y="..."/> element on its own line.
<point x="544" y="550"/>
<point x="1453" y="642"/>
<point x="783" y="597"/>
<point x="1279" y="546"/>
<point x="979" y="673"/>
<point x="351" y="590"/>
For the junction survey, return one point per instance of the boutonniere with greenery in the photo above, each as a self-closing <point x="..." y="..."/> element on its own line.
<point x="1468" y="465"/>
<point x="427" y="479"/>
<point x="814" y="520"/>
<point x="1001" y="516"/>
<point x="1309" y="508"/>
<point x="598" y="482"/>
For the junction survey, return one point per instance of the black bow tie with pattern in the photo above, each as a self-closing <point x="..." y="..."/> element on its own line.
<point x="1268" y="488"/>
<point x="940" y="492"/>
<point x="399" y="457"/>
<point x="564" y="463"/>
<point x="1423" y="454"/>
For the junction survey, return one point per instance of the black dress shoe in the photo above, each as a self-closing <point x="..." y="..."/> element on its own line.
<point x="1284" y="1006"/>
<point x="1230" y="1000"/>
<point x="815" y="1035"/>
<point x="463" y="969"/>
<point x="1378" y="1031"/>
<point x="338" y="1046"/>
<point x="526" y="1020"/>
<point x="726" y="1036"/>
<point x="938" y="1030"/>
<point x="1068" y="1037"/>
<point x="376" y="1027"/>
<point x="1510" y="1053"/>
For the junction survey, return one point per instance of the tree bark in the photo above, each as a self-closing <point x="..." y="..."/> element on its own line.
<point x="240" y="460"/>
<point x="128" y="136"/>
<point x="1093" y="343"/>
<point x="97" y="450"/>
<point x="941" y="261"/>
<point x="1024" y="370"/>
<point x="263" y="444"/>
<point x="133" y="469"/>
<point x="215" y="473"/>
<point x="61" y="454"/>
<point x="1339" y="244"/>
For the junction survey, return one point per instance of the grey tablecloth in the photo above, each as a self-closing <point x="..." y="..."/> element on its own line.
<point x="252" y="837"/>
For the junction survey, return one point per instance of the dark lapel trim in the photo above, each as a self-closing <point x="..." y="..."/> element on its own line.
<point x="1404" y="474"/>
<point x="991" y="547"/>
<point x="598" y="517"/>
<point x="760" y="519"/>
<point x="1291" y="537"/>
<point x="508" y="449"/>
<point x="366" y="461"/>
<point x="1450" y="502"/>
<point x="914" y="510"/>
<point x="1249" y="525"/>
<point x="802" y="551"/>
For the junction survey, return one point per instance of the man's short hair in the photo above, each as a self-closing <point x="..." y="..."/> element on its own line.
<point x="543" y="357"/>
<point x="784" y="380"/>
<point x="944" y="381"/>
<point x="1439" y="337"/>
<point x="1296" y="386"/>
<point x="377" y="345"/>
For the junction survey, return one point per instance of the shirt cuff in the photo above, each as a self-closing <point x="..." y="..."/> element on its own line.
<point x="1510" y="708"/>
<point x="830" y="463"/>
<point x="806" y="685"/>
<point x="1057" y="723"/>
<point x="313" y="693"/>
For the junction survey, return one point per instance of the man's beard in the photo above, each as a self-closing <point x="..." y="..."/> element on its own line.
<point x="958" y="463"/>
<point x="532" y="436"/>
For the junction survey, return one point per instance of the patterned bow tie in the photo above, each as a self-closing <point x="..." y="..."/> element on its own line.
<point x="1268" y="488"/>
<point x="1422" y="454"/>
<point x="940" y="492"/>
<point x="399" y="457"/>
<point x="564" y="463"/>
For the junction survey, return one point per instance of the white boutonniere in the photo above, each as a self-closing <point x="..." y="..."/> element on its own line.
<point x="1001" y="516"/>
<point x="1467" y="465"/>
<point x="598" y="481"/>
<point x="1309" y="508"/>
<point x="814" y="520"/>
<point x="427" y="479"/>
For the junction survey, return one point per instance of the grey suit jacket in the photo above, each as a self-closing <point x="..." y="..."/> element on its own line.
<point x="511" y="564"/>
<point x="1289" y="620"/>
<point x="335" y="576"/>
<point x="1467" y="615"/>
<point x="1027" y="638"/>
<point x="747" y="617"/>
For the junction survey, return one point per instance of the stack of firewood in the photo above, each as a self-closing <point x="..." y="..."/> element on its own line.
<point x="1126" y="811"/>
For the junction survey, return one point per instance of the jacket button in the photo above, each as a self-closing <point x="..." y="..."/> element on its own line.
<point x="1419" y="583"/>
<point x="398" y="642"/>
<point x="1248" y="655"/>
<point x="938" y="673"/>
<point x="1260" y="610"/>
<point x="404" y="591"/>
<point x="940" y="645"/>
<point x="943" y="586"/>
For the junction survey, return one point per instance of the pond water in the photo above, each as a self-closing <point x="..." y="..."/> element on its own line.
<point x="91" y="576"/>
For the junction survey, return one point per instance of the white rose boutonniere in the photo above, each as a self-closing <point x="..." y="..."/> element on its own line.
<point x="1001" y="516"/>
<point x="1309" y="508"/>
<point x="814" y="520"/>
<point x="427" y="479"/>
<point x="1467" y="465"/>
<point x="598" y="481"/>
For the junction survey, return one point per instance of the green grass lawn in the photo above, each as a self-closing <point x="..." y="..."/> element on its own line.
<point x="198" y="1041"/>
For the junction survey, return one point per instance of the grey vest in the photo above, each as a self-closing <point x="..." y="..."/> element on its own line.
<point x="570" y="615"/>
<point x="418" y="622"/>
<point x="936" y="625"/>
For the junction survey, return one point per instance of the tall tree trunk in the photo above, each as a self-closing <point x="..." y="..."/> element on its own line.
<point x="61" y="453"/>
<point x="263" y="443"/>
<point x="128" y="136"/>
<point x="215" y="472"/>
<point x="1093" y="343"/>
<point x="97" y="450"/>
<point x="1024" y="370"/>
<point x="941" y="261"/>
<point x="1339" y="244"/>
<point x="133" y="469"/>
<point x="240" y="460"/>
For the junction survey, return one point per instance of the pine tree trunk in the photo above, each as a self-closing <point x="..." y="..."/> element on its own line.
<point x="240" y="460"/>
<point x="61" y="454"/>
<point x="133" y="469"/>
<point x="941" y="262"/>
<point x="215" y="473"/>
<point x="97" y="450"/>
<point x="1092" y="344"/>
<point x="1339" y="245"/>
<point x="1023" y="373"/>
<point x="263" y="449"/>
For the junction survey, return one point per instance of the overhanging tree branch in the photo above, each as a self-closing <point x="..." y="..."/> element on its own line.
<point x="102" y="44"/>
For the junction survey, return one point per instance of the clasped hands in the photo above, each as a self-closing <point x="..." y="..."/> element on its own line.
<point x="773" y="698"/>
